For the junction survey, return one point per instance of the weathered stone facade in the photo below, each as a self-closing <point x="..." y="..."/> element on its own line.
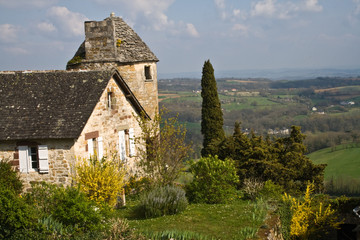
<point x="112" y="44"/>
<point x="106" y="123"/>
<point x="61" y="158"/>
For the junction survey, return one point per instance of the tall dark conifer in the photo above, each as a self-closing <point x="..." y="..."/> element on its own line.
<point x="211" y="115"/>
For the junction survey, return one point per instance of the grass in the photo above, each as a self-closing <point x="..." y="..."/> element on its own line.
<point x="343" y="161"/>
<point x="218" y="221"/>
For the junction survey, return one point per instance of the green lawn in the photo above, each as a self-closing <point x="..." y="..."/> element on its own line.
<point x="343" y="162"/>
<point x="218" y="221"/>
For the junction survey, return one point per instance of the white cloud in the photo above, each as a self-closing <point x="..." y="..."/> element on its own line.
<point x="241" y="28"/>
<point x="27" y="3"/>
<point x="264" y="8"/>
<point x="46" y="27"/>
<point x="70" y="23"/>
<point x="190" y="28"/>
<point x="313" y="6"/>
<point x="8" y="32"/>
<point x="151" y="14"/>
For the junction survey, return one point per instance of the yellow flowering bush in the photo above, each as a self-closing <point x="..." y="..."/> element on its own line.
<point x="101" y="179"/>
<point x="309" y="219"/>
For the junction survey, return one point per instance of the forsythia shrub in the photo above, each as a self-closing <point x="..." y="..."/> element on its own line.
<point x="101" y="180"/>
<point x="162" y="201"/>
<point x="214" y="181"/>
<point x="309" y="221"/>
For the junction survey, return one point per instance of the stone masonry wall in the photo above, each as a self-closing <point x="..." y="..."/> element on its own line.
<point x="60" y="155"/>
<point x="99" y="42"/>
<point x="106" y="123"/>
<point x="145" y="90"/>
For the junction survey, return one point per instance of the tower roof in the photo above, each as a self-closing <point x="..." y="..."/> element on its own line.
<point x="113" y="40"/>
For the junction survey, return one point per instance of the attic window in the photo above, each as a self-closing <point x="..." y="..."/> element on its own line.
<point x="148" y="73"/>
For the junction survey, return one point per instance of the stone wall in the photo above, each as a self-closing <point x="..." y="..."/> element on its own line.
<point x="60" y="156"/>
<point x="100" y="40"/>
<point x="106" y="123"/>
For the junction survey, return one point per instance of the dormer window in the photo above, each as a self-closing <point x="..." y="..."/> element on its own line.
<point x="148" y="73"/>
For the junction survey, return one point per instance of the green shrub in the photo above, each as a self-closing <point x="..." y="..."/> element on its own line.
<point x="15" y="214"/>
<point x="68" y="206"/>
<point x="9" y="178"/>
<point x="214" y="181"/>
<point x="271" y="190"/>
<point x="162" y="201"/>
<point x="74" y="209"/>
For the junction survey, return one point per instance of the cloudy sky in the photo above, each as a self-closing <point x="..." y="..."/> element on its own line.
<point x="233" y="34"/>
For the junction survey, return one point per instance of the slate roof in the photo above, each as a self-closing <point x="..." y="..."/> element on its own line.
<point x="52" y="104"/>
<point x="133" y="49"/>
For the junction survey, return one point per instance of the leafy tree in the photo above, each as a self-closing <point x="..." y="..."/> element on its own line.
<point x="9" y="178"/>
<point x="211" y="114"/>
<point x="162" y="150"/>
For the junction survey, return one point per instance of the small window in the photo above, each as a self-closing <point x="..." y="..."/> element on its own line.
<point x="148" y="73"/>
<point x="111" y="101"/>
<point x="34" y="157"/>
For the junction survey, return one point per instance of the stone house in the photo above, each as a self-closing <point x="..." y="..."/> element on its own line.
<point x="50" y="118"/>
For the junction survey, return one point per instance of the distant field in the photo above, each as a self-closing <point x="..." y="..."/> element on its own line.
<point x="343" y="162"/>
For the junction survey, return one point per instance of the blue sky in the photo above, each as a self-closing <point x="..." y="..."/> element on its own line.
<point x="233" y="34"/>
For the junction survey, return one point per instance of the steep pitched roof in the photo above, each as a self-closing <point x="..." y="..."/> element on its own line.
<point x="133" y="49"/>
<point x="52" y="104"/>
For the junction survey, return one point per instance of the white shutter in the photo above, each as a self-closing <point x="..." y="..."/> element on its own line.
<point x="90" y="147"/>
<point x="101" y="148"/>
<point x="132" y="142"/>
<point x="122" y="145"/>
<point x="43" y="159"/>
<point x="23" y="159"/>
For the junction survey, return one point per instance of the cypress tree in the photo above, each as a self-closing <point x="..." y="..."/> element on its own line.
<point x="211" y="115"/>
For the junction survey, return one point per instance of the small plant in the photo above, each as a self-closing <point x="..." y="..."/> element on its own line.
<point x="162" y="201"/>
<point x="252" y="187"/>
<point x="214" y="181"/>
<point x="120" y="230"/>
<point x="178" y="235"/>
<point x="118" y="42"/>
<point x="248" y="233"/>
<point x="75" y="60"/>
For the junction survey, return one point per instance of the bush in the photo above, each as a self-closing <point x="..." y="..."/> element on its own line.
<point x="120" y="230"/>
<point x="102" y="180"/>
<point x="15" y="214"/>
<point x="214" y="181"/>
<point x="162" y="201"/>
<point x="9" y="178"/>
<point x="252" y="187"/>
<point x="271" y="190"/>
<point x="67" y="206"/>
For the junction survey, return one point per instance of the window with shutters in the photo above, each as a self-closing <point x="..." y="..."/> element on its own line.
<point x="95" y="147"/>
<point x="33" y="159"/>
<point x="127" y="146"/>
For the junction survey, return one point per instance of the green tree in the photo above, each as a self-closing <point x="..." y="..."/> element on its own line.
<point x="211" y="115"/>
<point x="162" y="149"/>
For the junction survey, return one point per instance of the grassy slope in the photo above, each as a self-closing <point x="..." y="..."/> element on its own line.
<point x="341" y="162"/>
<point x="220" y="221"/>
